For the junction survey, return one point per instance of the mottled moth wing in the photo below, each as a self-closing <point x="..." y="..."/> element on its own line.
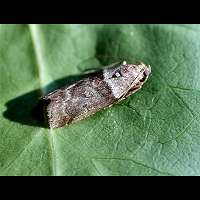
<point x="78" y="101"/>
<point x="97" y="91"/>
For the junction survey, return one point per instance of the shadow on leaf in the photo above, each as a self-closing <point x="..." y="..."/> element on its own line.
<point x="27" y="109"/>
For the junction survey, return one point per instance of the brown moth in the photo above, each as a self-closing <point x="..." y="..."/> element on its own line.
<point x="99" y="90"/>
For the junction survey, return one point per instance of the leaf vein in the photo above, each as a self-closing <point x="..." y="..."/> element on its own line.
<point x="41" y="68"/>
<point x="21" y="152"/>
<point x="137" y="163"/>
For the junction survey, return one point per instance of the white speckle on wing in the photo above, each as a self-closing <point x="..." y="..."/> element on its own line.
<point x="117" y="74"/>
<point x="117" y="87"/>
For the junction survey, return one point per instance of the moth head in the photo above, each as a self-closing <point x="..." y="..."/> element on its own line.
<point x="132" y="72"/>
<point x="126" y="77"/>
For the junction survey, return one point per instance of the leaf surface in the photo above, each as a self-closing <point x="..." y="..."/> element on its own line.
<point x="154" y="132"/>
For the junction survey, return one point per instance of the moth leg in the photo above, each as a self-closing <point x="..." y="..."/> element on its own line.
<point x="110" y="105"/>
<point x="133" y="90"/>
<point x="130" y="92"/>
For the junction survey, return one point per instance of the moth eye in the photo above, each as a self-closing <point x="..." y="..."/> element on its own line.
<point x="144" y="77"/>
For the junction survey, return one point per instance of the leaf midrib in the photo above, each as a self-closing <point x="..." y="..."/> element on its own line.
<point x="35" y="37"/>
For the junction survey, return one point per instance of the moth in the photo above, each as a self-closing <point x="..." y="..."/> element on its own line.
<point x="100" y="89"/>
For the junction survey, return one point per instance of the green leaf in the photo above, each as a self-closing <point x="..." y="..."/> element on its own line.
<point x="154" y="132"/>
